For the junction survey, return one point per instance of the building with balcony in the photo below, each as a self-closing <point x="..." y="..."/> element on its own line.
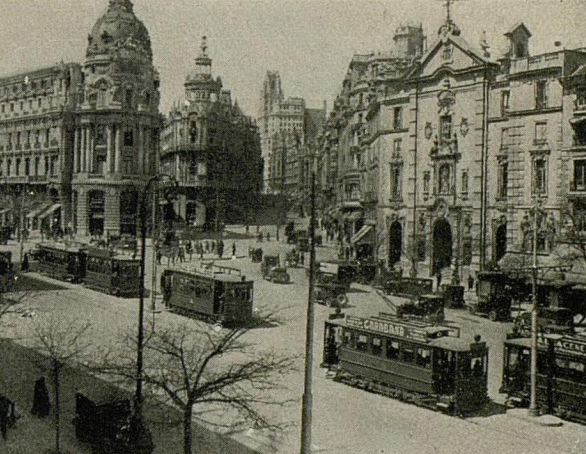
<point x="87" y="134"/>
<point x="213" y="151"/>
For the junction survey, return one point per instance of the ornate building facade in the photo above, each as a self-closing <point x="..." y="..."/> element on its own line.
<point x="213" y="151"/>
<point x="443" y="152"/>
<point x="87" y="133"/>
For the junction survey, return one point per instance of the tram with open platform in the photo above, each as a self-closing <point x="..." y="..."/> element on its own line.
<point x="411" y="360"/>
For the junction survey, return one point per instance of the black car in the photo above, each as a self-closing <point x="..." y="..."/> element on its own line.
<point x="549" y="320"/>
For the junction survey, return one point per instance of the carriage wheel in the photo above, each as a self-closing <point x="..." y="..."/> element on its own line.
<point x="440" y="317"/>
<point x="492" y="316"/>
<point x="330" y="302"/>
<point x="472" y="309"/>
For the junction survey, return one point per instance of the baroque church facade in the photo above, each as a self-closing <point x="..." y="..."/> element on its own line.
<point x="442" y="153"/>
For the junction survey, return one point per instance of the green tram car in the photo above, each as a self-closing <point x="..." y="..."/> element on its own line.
<point x="109" y="272"/>
<point x="410" y="360"/>
<point x="61" y="261"/>
<point x="561" y="374"/>
<point x="213" y="294"/>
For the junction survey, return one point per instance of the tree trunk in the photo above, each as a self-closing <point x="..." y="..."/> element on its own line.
<point x="187" y="431"/>
<point x="57" y="410"/>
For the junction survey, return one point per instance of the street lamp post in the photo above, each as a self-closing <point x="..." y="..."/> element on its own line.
<point x="140" y="336"/>
<point x="154" y="242"/>
<point x="533" y="410"/>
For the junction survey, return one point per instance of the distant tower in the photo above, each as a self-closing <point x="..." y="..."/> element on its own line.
<point x="409" y="40"/>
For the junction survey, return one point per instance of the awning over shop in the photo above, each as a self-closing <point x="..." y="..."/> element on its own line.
<point x="364" y="235"/>
<point x="36" y="212"/>
<point x="352" y="215"/>
<point x="51" y="210"/>
<point x="550" y="267"/>
<point x="578" y="120"/>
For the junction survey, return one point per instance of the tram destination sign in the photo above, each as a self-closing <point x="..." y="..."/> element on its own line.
<point x="571" y="346"/>
<point x="386" y="327"/>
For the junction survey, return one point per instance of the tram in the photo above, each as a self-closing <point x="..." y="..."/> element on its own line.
<point x="214" y="294"/>
<point x="112" y="273"/>
<point x="412" y="360"/>
<point x="561" y="374"/>
<point x="61" y="261"/>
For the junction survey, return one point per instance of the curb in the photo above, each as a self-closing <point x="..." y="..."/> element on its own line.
<point x="542" y="420"/>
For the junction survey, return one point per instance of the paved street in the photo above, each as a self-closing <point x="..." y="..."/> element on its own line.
<point x="345" y="420"/>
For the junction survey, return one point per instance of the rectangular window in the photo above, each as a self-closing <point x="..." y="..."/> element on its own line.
<point x="17" y="170"/>
<point x="397" y="147"/>
<point x="397" y="117"/>
<point x="408" y="353"/>
<point x="128" y="138"/>
<point x="579" y="183"/>
<point x="541" y="94"/>
<point x="504" y="137"/>
<point x="377" y="346"/>
<point x="539" y="176"/>
<point x="395" y="182"/>
<point x="46" y="165"/>
<point x="40" y="103"/>
<point x="426" y="180"/>
<point x="505" y="99"/>
<point x="540" y="132"/>
<point x="3" y="108"/>
<point x="392" y="349"/>
<point x="362" y="343"/>
<point x="30" y="104"/>
<point x="446" y="127"/>
<point x="11" y="107"/>
<point x="503" y="180"/>
<point x="27" y="166"/>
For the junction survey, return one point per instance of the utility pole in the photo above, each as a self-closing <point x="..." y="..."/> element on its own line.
<point x="154" y="242"/>
<point x="306" y="414"/>
<point x="533" y="410"/>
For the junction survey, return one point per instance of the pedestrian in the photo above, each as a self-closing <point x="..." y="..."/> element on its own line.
<point x="206" y="246"/>
<point x="247" y="229"/>
<point x="159" y="257"/>
<point x="41" y="402"/>
<point x="439" y="279"/>
<point x="302" y="258"/>
<point x="189" y="250"/>
<point x="470" y="282"/>
<point x="181" y="253"/>
<point x="220" y="248"/>
<point x="268" y="237"/>
<point x="234" y="249"/>
<point x="4" y="411"/>
<point x="25" y="265"/>
<point x="259" y="238"/>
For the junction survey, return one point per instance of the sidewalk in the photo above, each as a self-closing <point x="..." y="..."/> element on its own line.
<point x="33" y="435"/>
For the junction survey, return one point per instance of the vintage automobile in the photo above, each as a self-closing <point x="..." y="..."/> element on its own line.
<point x="6" y="271"/>
<point x="5" y="234"/>
<point x="329" y="290"/>
<point x="292" y="258"/>
<point x="453" y="296"/>
<point x="549" y="320"/>
<point x="278" y="275"/>
<point x="494" y="296"/>
<point x="214" y="294"/>
<point x="268" y="262"/>
<point x="561" y="362"/>
<point x="408" y="287"/>
<point x="428" y="307"/>
<point x="104" y="420"/>
<point x="411" y="360"/>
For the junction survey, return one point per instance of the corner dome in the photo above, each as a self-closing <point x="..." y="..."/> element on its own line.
<point x="119" y="28"/>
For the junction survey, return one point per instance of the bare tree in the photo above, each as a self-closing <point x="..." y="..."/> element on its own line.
<point x="61" y="343"/>
<point x="207" y="373"/>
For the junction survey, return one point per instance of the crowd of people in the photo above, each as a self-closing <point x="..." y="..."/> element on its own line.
<point x="186" y="250"/>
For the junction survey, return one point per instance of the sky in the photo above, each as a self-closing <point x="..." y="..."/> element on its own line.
<point x="310" y="42"/>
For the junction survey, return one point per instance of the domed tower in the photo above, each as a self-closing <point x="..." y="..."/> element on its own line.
<point x="117" y="124"/>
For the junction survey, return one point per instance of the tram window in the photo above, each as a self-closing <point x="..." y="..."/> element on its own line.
<point x="392" y="349"/>
<point x="377" y="346"/>
<point x="362" y="343"/>
<point x="423" y="357"/>
<point x="408" y="353"/>
<point x="347" y="337"/>
<point x="477" y="366"/>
